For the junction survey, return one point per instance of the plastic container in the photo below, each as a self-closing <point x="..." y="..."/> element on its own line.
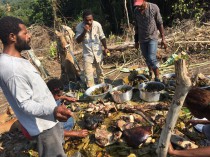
<point x="122" y="97"/>
<point x="99" y="96"/>
<point x="150" y="96"/>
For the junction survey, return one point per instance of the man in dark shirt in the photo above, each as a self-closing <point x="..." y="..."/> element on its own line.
<point x="197" y="101"/>
<point x="148" y="21"/>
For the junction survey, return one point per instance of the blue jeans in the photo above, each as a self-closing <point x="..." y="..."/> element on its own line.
<point x="149" y="51"/>
<point x="69" y="124"/>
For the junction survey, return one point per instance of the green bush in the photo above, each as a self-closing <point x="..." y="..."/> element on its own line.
<point x="184" y="9"/>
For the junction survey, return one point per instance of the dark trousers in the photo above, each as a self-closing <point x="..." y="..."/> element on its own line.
<point x="50" y="142"/>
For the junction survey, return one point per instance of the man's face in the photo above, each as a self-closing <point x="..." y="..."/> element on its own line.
<point x="88" y="20"/>
<point x="22" y="39"/>
<point x="141" y="7"/>
<point x="58" y="94"/>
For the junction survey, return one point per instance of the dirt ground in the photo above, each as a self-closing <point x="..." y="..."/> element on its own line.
<point x="41" y="45"/>
<point x="53" y="68"/>
<point x="42" y="38"/>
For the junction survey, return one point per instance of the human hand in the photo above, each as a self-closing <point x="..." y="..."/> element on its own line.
<point x="87" y="28"/>
<point x="61" y="113"/>
<point x="64" y="97"/>
<point x="197" y="121"/>
<point x="136" y="45"/>
<point x="82" y="133"/>
<point x="192" y="122"/>
<point x="107" y="52"/>
<point x="163" y="44"/>
<point x="71" y="99"/>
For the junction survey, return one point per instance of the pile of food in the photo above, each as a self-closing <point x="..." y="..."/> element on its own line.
<point x="100" y="90"/>
<point x="153" y="87"/>
<point x="122" y="90"/>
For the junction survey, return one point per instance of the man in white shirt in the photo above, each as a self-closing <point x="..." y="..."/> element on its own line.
<point x="91" y="34"/>
<point x="26" y="91"/>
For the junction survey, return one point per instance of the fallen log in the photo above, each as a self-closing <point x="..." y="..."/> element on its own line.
<point x="206" y="24"/>
<point x="121" y="47"/>
<point x="127" y="45"/>
<point x="187" y="42"/>
<point x="9" y="125"/>
<point x="6" y="116"/>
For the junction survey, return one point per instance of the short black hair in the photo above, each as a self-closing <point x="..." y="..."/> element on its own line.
<point x="87" y="12"/>
<point x="9" y="24"/>
<point x="55" y="85"/>
<point x="198" y="100"/>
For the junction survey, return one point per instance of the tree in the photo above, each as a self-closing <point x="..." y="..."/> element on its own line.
<point x="42" y="12"/>
<point x="16" y="8"/>
<point x="183" y="86"/>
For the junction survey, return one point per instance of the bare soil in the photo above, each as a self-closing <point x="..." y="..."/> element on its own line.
<point x="41" y="40"/>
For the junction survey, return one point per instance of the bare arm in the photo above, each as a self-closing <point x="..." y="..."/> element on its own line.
<point x="62" y="114"/>
<point x="76" y="133"/>
<point x="80" y="38"/>
<point x="67" y="98"/>
<point x="194" y="122"/>
<point x="159" y="22"/>
<point x="163" y="42"/>
<point x="103" y="41"/>
<point x="198" y="152"/>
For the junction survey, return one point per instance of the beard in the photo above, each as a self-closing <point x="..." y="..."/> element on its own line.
<point x="21" y="45"/>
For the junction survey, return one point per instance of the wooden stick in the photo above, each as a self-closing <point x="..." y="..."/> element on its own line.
<point x="144" y="116"/>
<point x="183" y="86"/>
<point x="119" y="68"/>
<point x="186" y="42"/>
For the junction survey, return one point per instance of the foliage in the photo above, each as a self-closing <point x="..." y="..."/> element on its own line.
<point x="110" y="13"/>
<point x="53" y="49"/>
<point x="2" y="9"/>
<point x="16" y="8"/>
<point x="41" y="12"/>
<point x="184" y="9"/>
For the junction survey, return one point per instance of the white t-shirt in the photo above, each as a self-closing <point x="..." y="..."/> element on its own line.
<point x="92" y="42"/>
<point x="27" y="93"/>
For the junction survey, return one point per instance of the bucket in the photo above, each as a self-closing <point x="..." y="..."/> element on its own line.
<point x="122" y="97"/>
<point x="152" y="96"/>
<point x="89" y="91"/>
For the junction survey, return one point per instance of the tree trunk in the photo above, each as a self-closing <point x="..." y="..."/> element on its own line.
<point x="126" y="12"/>
<point x="183" y="86"/>
<point x="109" y="9"/>
<point x="131" y="8"/>
<point x="9" y="125"/>
<point x="54" y="7"/>
<point x="68" y="69"/>
<point x="38" y="64"/>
